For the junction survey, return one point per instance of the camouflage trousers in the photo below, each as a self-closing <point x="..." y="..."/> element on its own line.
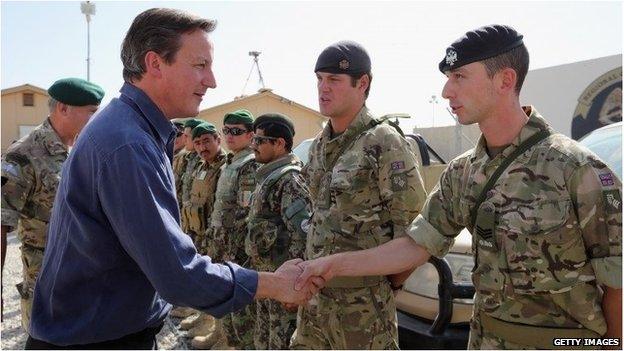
<point x="239" y="328"/>
<point x="274" y="326"/>
<point x="32" y="258"/>
<point x="353" y="318"/>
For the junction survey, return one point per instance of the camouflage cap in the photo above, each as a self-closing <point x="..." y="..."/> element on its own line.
<point x="276" y="118"/>
<point x="346" y="57"/>
<point x="480" y="44"/>
<point x="193" y="122"/>
<point x="203" y="128"/>
<point x="76" y="92"/>
<point x="238" y="117"/>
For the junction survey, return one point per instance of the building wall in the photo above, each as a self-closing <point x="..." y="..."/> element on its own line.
<point x="14" y="114"/>
<point x="307" y="123"/>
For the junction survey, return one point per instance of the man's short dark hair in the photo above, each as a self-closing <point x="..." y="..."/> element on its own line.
<point x="516" y="59"/>
<point x="157" y="30"/>
<point x="277" y="131"/>
<point x="355" y="77"/>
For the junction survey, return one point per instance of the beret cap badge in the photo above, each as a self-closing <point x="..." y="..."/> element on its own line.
<point x="344" y="64"/>
<point x="451" y="57"/>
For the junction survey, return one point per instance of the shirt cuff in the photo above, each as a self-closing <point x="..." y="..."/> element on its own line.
<point x="9" y="218"/>
<point x="245" y="285"/>
<point x="425" y="235"/>
<point x="608" y="271"/>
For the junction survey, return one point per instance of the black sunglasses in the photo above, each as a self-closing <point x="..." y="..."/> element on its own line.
<point x="259" y="140"/>
<point x="234" y="131"/>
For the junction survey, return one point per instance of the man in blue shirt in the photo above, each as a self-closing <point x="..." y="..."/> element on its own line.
<point x="116" y="256"/>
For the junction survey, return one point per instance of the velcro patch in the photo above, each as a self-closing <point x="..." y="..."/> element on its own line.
<point x="606" y="179"/>
<point x="396" y="165"/>
<point x="612" y="200"/>
<point x="399" y="182"/>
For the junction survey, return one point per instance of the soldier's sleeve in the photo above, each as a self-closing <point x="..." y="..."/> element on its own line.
<point x="400" y="183"/>
<point x="295" y="209"/>
<point x="246" y="184"/>
<point x="438" y="224"/>
<point x="18" y="180"/>
<point x="596" y="196"/>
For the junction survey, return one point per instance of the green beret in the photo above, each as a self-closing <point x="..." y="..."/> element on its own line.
<point x="204" y="128"/>
<point x="238" y="117"/>
<point x="76" y="92"/>
<point x="193" y="122"/>
<point x="276" y="118"/>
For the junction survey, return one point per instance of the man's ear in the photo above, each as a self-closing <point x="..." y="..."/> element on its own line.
<point x="506" y="80"/>
<point x="153" y="64"/>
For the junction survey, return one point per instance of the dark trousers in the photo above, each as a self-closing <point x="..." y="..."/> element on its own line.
<point x="143" y="340"/>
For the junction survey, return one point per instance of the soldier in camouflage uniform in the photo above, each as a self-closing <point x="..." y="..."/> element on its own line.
<point x="31" y="170"/>
<point x="279" y="206"/>
<point x="228" y="224"/>
<point x="366" y="189"/>
<point x="547" y="233"/>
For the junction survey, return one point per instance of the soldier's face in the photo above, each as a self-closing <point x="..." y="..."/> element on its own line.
<point x="207" y="146"/>
<point x="470" y="92"/>
<point x="79" y="116"/>
<point x="236" y="143"/>
<point x="188" y="77"/>
<point x="188" y="139"/>
<point x="264" y="149"/>
<point x="337" y="95"/>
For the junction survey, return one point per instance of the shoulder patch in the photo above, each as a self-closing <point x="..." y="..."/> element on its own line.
<point x="396" y="165"/>
<point x="606" y="179"/>
<point x="612" y="201"/>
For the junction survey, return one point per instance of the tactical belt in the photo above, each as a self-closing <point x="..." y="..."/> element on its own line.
<point x="355" y="282"/>
<point x="527" y="335"/>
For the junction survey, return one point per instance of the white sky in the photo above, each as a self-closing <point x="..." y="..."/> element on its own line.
<point x="45" y="41"/>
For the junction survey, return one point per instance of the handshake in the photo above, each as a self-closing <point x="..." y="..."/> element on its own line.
<point x="295" y="282"/>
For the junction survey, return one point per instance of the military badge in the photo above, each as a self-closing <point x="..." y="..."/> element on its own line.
<point x="202" y="175"/>
<point x="396" y="165"/>
<point x="344" y="64"/>
<point x="451" y="57"/>
<point x="398" y="182"/>
<point x="613" y="201"/>
<point x="606" y="179"/>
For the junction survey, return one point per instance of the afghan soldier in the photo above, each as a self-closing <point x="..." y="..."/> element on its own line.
<point x="279" y="207"/>
<point x="180" y="140"/>
<point x="228" y="225"/>
<point x="31" y="173"/>
<point x="544" y="212"/>
<point x="366" y="189"/>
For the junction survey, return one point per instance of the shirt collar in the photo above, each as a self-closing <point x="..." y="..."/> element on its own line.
<point x="154" y="116"/>
<point x="535" y="124"/>
<point x="231" y="157"/>
<point x="363" y="118"/>
<point x="266" y="169"/>
<point x="52" y="141"/>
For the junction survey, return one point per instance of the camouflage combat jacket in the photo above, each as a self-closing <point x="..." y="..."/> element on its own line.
<point x="179" y="165"/>
<point x="365" y="187"/>
<point x="557" y="230"/>
<point x="233" y="197"/>
<point x="202" y="195"/>
<point x="192" y="160"/>
<point x="279" y="206"/>
<point x="31" y="171"/>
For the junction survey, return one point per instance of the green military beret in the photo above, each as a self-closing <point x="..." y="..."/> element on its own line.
<point x="238" y="117"/>
<point x="276" y="118"/>
<point x="193" y="122"/>
<point x="76" y="92"/>
<point x="204" y="128"/>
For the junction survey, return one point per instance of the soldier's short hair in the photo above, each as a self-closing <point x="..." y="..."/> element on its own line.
<point x="355" y="77"/>
<point x="516" y="59"/>
<point x="52" y="104"/>
<point x="158" y="30"/>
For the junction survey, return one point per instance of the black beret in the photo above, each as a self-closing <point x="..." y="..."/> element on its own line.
<point x="76" y="92"/>
<point x="241" y="116"/>
<point x="276" y="118"/>
<point x="193" y="122"/>
<point x="480" y="44"/>
<point x="203" y="128"/>
<point x="346" y="57"/>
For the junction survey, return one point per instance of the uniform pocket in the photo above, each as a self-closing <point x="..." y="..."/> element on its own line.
<point x="544" y="248"/>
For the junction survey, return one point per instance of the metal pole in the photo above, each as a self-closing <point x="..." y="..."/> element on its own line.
<point x="88" y="49"/>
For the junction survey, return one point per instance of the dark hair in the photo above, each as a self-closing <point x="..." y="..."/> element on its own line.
<point x="277" y="131"/>
<point x="249" y="127"/>
<point x="157" y="30"/>
<point x="356" y="76"/>
<point x="516" y="59"/>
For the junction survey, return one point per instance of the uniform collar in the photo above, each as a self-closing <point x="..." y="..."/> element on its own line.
<point x="218" y="161"/>
<point x="52" y="140"/>
<point x="535" y="124"/>
<point x="231" y="157"/>
<point x="362" y="119"/>
<point x="266" y="169"/>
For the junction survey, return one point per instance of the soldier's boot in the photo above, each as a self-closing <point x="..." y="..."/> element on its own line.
<point x="215" y="340"/>
<point x="205" y="327"/>
<point x="190" y="321"/>
<point x="181" y="312"/>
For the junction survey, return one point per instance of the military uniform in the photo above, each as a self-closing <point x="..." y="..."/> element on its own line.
<point x="228" y="231"/>
<point x="192" y="160"/>
<point x="365" y="189"/>
<point x="555" y="234"/>
<point x="31" y="171"/>
<point x="179" y="166"/>
<point x="279" y="206"/>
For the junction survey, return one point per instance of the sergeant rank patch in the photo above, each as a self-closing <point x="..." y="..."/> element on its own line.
<point x="612" y="200"/>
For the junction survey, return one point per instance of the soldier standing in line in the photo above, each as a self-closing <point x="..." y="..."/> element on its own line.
<point x="31" y="171"/>
<point x="366" y="188"/>
<point x="279" y="208"/>
<point x="545" y="213"/>
<point x="228" y="224"/>
<point x="180" y="141"/>
<point x="179" y="159"/>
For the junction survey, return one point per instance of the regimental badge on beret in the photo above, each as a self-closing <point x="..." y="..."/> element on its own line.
<point x="344" y="64"/>
<point x="451" y="57"/>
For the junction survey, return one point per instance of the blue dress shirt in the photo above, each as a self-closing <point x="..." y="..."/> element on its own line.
<point x="115" y="250"/>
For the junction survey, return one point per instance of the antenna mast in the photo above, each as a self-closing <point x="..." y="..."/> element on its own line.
<point x="255" y="64"/>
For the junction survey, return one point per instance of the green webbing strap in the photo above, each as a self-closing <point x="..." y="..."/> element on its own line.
<point x="527" y="144"/>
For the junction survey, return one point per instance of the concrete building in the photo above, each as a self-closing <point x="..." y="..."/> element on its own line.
<point x="23" y="108"/>
<point x="307" y="121"/>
